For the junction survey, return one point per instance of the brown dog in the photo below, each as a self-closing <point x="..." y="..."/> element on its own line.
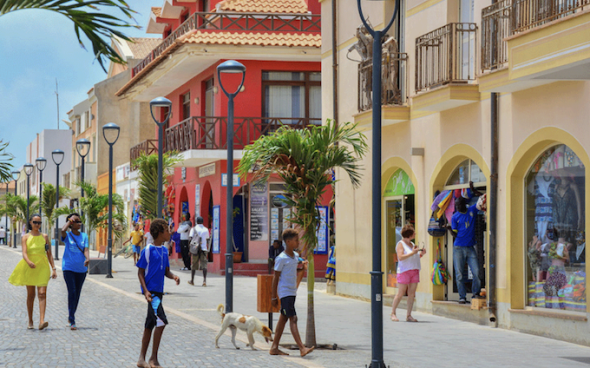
<point x="250" y="324"/>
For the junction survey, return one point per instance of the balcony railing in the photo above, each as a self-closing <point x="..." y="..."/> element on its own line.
<point x="528" y="14"/>
<point x="234" y="21"/>
<point x="446" y="55"/>
<point x="495" y="27"/>
<point x="210" y="132"/>
<point x="146" y="147"/>
<point x="393" y="68"/>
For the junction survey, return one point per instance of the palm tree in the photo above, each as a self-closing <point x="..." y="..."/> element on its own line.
<point x="96" y="25"/>
<point x="95" y="206"/>
<point x="304" y="159"/>
<point x="48" y="204"/>
<point x="5" y="165"/>
<point x="17" y="208"/>
<point x="148" y="180"/>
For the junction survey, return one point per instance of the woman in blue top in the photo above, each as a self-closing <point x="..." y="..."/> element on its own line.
<point x="74" y="262"/>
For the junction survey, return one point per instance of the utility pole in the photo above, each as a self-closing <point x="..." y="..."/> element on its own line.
<point x="57" y="96"/>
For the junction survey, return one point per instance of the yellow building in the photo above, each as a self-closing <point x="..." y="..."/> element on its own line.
<point x="444" y="64"/>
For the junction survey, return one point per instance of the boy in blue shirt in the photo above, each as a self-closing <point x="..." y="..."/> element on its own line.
<point x="152" y="266"/>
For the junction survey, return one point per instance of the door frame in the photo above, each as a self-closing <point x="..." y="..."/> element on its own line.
<point x="389" y="289"/>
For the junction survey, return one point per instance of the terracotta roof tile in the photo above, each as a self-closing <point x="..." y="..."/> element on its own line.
<point x="141" y="47"/>
<point x="255" y="39"/>
<point x="265" y="6"/>
<point x="230" y="38"/>
<point x="157" y="11"/>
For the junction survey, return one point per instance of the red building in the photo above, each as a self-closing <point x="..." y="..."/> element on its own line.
<point x="279" y="43"/>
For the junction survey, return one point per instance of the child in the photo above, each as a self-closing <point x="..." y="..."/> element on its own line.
<point x="284" y="284"/>
<point x="136" y="239"/>
<point x="152" y="266"/>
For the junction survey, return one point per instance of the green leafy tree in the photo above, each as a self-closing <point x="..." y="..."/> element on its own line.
<point x="5" y="165"/>
<point x="148" y="180"/>
<point x="303" y="159"/>
<point x="87" y="17"/>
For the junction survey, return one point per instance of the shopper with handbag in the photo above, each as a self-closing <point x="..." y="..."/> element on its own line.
<point x="199" y="250"/>
<point x="74" y="263"/>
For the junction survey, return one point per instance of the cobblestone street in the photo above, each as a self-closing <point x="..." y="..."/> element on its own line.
<point x="111" y="315"/>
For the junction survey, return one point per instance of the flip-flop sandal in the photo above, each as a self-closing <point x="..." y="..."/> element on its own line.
<point x="30" y="327"/>
<point x="43" y="326"/>
<point x="394" y="319"/>
<point x="411" y="319"/>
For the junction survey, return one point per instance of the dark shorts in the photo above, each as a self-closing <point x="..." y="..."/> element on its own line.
<point x="155" y="313"/>
<point x="288" y="306"/>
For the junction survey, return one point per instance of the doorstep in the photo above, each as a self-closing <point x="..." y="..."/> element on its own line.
<point x="462" y="312"/>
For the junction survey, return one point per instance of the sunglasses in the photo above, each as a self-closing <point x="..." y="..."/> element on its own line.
<point x="77" y="222"/>
<point x="36" y="222"/>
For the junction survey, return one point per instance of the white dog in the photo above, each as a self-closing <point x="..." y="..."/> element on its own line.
<point x="250" y="324"/>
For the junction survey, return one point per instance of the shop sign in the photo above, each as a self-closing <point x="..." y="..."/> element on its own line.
<point x="259" y="211"/>
<point x="224" y="180"/>
<point x="216" y="211"/>
<point x="399" y="184"/>
<point x="207" y="170"/>
<point x="279" y="201"/>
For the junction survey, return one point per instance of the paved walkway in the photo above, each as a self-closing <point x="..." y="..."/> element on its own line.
<point x="112" y="312"/>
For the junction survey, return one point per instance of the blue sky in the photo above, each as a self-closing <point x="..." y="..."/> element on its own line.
<point x="36" y="47"/>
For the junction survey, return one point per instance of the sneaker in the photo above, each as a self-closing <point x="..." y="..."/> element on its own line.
<point x="73" y="327"/>
<point x="183" y="269"/>
<point x="462" y="301"/>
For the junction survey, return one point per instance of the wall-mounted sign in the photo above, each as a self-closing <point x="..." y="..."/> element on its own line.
<point x="259" y="211"/>
<point x="216" y="212"/>
<point x="279" y="201"/>
<point x="183" y="172"/>
<point x="207" y="170"/>
<point x="197" y="200"/>
<point x="322" y="232"/>
<point x="224" y="180"/>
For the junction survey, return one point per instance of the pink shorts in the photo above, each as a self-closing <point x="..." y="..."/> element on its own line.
<point x="409" y="277"/>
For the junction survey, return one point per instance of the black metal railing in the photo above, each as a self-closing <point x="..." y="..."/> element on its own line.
<point x="528" y="14"/>
<point x="495" y="27"/>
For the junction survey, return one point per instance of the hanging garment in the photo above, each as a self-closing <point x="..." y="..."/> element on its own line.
<point x="438" y="199"/>
<point x="565" y="213"/>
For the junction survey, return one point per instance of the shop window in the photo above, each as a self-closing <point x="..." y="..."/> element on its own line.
<point x="399" y="200"/>
<point x="186" y="106"/>
<point x="555" y="231"/>
<point x="464" y="173"/>
<point x="294" y="95"/>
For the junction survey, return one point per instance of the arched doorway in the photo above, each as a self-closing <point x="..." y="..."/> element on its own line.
<point x="399" y="209"/>
<point x="458" y="185"/>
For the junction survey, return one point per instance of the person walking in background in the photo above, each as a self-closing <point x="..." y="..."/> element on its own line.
<point x="408" y="271"/>
<point x="199" y="260"/>
<point x="153" y="266"/>
<point x="136" y="239"/>
<point x="286" y="279"/>
<point x="74" y="263"/>
<point x="33" y="270"/>
<point x="273" y="252"/>
<point x="2" y="235"/>
<point x="184" y="231"/>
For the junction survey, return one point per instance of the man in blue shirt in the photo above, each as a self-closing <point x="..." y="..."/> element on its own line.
<point x="153" y="266"/>
<point x="463" y="231"/>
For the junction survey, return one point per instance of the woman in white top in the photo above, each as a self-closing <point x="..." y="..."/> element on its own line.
<point x="408" y="271"/>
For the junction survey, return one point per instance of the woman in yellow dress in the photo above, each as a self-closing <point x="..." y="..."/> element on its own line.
<point x="33" y="270"/>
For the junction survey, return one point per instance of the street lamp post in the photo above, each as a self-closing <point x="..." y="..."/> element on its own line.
<point x="6" y="214"/>
<point x="57" y="156"/>
<point x="41" y="164"/>
<point x="15" y="176"/>
<point x="230" y="67"/>
<point x="110" y="132"/>
<point x="377" y="273"/>
<point x="28" y="171"/>
<point x="83" y="148"/>
<point x="160" y="102"/>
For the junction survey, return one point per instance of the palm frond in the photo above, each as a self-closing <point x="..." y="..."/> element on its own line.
<point x="5" y="165"/>
<point x="148" y="180"/>
<point x="87" y="17"/>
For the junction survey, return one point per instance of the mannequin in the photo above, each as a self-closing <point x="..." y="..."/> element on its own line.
<point x="567" y="209"/>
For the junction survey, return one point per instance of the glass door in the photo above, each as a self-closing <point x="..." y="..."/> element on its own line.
<point x="394" y="221"/>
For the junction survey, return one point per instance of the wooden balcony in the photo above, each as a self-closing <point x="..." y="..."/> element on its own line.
<point x="446" y="68"/>
<point x="208" y="134"/>
<point x="146" y="147"/>
<point x="235" y="21"/>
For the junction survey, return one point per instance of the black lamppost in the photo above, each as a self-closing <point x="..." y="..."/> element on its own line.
<point x="230" y="67"/>
<point x="160" y="102"/>
<point x="6" y="214"/>
<point x="377" y="273"/>
<point x="83" y="148"/>
<point x="58" y="157"/>
<point x="110" y="132"/>
<point x="15" y="176"/>
<point x="28" y="171"/>
<point x="41" y="164"/>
